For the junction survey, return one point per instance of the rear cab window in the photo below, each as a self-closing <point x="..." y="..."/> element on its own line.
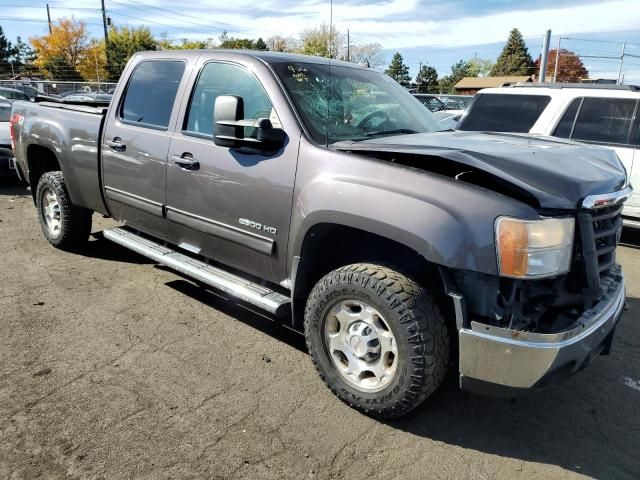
<point x="504" y="112"/>
<point x="600" y="120"/>
<point x="151" y="93"/>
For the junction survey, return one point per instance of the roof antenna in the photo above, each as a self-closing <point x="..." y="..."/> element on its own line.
<point x="326" y="130"/>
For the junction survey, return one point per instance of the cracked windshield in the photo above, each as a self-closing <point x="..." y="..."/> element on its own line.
<point x="341" y="103"/>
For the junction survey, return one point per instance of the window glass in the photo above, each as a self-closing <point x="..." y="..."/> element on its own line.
<point x="151" y="92"/>
<point x="342" y="103"/>
<point x="5" y="112"/>
<point x="225" y="79"/>
<point x="605" y="120"/>
<point x="504" y="113"/>
<point x="563" y="130"/>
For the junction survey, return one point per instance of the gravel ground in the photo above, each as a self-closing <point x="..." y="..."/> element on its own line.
<point x="114" y="368"/>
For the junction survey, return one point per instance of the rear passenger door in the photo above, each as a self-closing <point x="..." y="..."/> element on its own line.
<point x="602" y="121"/>
<point x="136" y="141"/>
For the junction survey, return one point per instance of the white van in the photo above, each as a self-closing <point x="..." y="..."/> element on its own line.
<point x="606" y="115"/>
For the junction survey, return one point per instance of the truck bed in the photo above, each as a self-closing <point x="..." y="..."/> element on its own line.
<point x="73" y="132"/>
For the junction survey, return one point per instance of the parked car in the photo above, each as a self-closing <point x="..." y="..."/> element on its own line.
<point x="440" y="102"/>
<point x="13" y="94"/>
<point x="603" y="115"/>
<point x="449" y="118"/>
<point x="385" y="239"/>
<point x="6" y="155"/>
<point x="90" y="98"/>
<point x="30" y="91"/>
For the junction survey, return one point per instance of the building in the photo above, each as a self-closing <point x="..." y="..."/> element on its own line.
<point x="471" y="85"/>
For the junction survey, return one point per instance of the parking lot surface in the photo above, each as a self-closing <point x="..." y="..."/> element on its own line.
<point x="114" y="368"/>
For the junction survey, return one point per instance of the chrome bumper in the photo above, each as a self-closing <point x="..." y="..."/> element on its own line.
<point x="513" y="360"/>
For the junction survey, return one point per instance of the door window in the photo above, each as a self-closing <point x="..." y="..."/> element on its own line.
<point x="225" y="79"/>
<point x="565" y="125"/>
<point x="151" y="93"/>
<point x="604" y="120"/>
<point x="504" y="113"/>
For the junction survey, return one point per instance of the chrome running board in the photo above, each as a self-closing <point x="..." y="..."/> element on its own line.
<point x="241" y="288"/>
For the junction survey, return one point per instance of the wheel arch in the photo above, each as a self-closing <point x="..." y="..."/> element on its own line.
<point x="40" y="159"/>
<point x="326" y="246"/>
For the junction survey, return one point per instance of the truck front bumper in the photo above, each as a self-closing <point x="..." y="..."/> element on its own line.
<point x="499" y="361"/>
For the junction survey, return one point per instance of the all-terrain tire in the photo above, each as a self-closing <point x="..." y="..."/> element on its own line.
<point x="72" y="223"/>
<point x="414" y="318"/>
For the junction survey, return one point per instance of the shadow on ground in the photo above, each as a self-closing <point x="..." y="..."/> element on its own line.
<point x="13" y="187"/>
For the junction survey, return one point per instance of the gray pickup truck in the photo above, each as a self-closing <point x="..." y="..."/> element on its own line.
<point x="326" y="195"/>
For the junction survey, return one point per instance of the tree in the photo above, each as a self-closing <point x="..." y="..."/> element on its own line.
<point x="123" y="43"/>
<point x="321" y="41"/>
<point x="64" y="52"/>
<point x="426" y="79"/>
<point x="260" y="45"/>
<point x="570" y="66"/>
<point x="515" y="58"/>
<point x="480" y="67"/>
<point x="459" y="70"/>
<point x="278" y="43"/>
<point x="238" y="43"/>
<point x="398" y="70"/>
<point x="366" y="53"/>
<point x="7" y="52"/>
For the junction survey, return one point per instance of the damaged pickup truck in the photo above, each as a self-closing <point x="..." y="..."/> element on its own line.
<point x="326" y="195"/>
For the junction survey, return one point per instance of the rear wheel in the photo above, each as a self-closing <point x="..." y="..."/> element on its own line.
<point x="65" y="225"/>
<point x="377" y="339"/>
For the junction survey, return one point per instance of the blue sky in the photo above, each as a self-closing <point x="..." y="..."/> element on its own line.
<point x="436" y="32"/>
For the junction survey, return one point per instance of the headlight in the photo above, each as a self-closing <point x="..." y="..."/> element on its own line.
<point x="534" y="248"/>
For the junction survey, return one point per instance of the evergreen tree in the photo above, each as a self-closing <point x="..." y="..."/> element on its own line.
<point x="515" y="58"/>
<point x="459" y="70"/>
<point x="426" y="80"/>
<point x="260" y="45"/>
<point x="7" y="52"/>
<point x="398" y="70"/>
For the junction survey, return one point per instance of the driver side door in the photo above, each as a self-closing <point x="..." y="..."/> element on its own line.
<point x="231" y="205"/>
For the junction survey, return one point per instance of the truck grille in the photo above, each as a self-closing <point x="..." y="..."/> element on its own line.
<point x="599" y="236"/>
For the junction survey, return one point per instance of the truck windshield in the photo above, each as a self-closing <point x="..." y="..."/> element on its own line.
<point x="339" y="103"/>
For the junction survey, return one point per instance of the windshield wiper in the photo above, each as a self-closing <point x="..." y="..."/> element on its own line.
<point x="398" y="131"/>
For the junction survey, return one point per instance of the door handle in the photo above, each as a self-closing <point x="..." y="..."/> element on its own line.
<point x="116" y="145"/>
<point x="186" y="161"/>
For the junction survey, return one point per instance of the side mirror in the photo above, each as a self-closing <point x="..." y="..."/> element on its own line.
<point x="229" y="127"/>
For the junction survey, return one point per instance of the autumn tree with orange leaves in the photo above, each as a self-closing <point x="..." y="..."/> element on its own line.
<point x="570" y="67"/>
<point x="67" y="53"/>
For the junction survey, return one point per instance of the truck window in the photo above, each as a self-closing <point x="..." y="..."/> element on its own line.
<point x="604" y="120"/>
<point x="151" y="93"/>
<point x="565" y="125"/>
<point x="225" y="79"/>
<point x="504" y="113"/>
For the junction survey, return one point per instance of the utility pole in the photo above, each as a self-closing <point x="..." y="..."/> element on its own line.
<point x="624" y="44"/>
<point x="555" y="69"/>
<point x="348" y="47"/>
<point x="49" y="18"/>
<point x="106" y="36"/>
<point x="544" y="59"/>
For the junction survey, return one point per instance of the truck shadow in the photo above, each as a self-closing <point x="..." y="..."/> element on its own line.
<point x="630" y="238"/>
<point x="13" y="187"/>
<point x="274" y="327"/>
<point x="101" y="248"/>
<point x="587" y="424"/>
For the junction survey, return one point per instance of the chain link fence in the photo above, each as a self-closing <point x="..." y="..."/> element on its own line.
<point x="438" y="102"/>
<point x="57" y="88"/>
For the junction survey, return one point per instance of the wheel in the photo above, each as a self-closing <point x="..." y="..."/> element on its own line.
<point x="377" y="339"/>
<point x="65" y="225"/>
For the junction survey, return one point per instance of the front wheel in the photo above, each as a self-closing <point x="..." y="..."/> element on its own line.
<point x="65" y="225"/>
<point x="377" y="339"/>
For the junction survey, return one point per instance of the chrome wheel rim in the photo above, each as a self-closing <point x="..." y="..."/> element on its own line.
<point x="51" y="211"/>
<point x="361" y="345"/>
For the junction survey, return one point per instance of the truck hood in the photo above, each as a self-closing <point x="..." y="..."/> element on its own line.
<point x="557" y="173"/>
